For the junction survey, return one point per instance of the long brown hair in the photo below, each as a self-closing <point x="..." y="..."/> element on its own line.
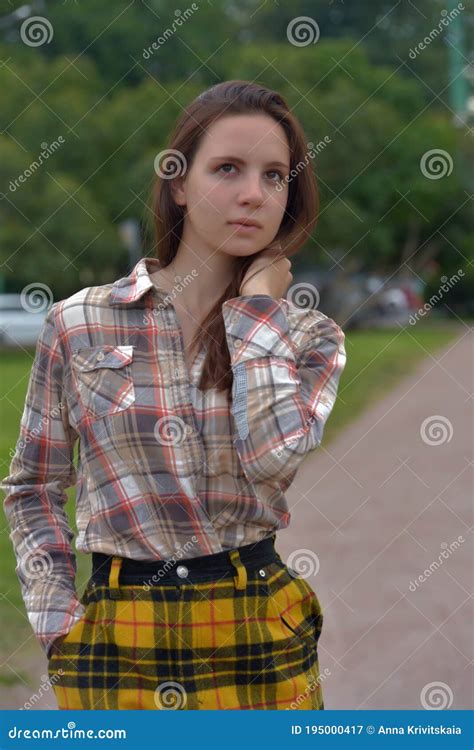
<point x="226" y="98"/>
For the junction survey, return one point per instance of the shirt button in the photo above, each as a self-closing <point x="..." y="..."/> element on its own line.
<point x="238" y="342"/>
<point x="262" y="572"/>
<point x="100" y="356"/>
<point x="182" y="571"/>
<point x="189" y="430"/>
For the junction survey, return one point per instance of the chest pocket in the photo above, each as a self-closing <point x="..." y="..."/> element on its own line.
<point x="104" y="378"/>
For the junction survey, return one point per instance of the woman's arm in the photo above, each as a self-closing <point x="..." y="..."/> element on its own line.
<point x="41" y="469"/>
<point x="284" y="389"/>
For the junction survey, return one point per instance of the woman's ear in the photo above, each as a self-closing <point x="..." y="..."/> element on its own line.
<point x="177" y="191"/>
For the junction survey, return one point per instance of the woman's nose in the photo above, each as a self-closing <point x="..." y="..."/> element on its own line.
<point x="252" y="191"/>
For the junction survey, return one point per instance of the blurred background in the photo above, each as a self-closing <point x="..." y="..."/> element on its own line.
<point x="90" y="91"/>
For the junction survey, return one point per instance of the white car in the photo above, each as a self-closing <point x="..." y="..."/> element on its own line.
<point x="20" y="324"/>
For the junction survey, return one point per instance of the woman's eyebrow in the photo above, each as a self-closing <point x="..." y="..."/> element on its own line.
<point x="242" y="161"/>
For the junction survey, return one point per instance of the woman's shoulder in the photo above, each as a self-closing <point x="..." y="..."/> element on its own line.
<point x="88" y="306"/>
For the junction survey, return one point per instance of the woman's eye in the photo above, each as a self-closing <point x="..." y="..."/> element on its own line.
<point x="279" y="175"/>
<point x="226" y="165"/>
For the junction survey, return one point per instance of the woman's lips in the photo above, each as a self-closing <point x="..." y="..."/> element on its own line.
<point x="244" y="228"/>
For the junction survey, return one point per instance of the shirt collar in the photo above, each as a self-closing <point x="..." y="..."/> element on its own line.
<point x="129" y="289"/>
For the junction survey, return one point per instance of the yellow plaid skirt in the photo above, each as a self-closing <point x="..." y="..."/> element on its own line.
<point x="246" y="640"/>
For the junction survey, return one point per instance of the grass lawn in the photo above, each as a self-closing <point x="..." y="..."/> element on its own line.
<point x="376" y="360"/>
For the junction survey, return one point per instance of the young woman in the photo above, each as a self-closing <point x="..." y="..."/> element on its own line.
<point x="195" y="390"/>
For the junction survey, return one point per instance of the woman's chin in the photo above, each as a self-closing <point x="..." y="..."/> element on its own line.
<point x="240" y="249"/>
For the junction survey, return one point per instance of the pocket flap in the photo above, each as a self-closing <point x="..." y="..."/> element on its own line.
<point x="107" y="355"/>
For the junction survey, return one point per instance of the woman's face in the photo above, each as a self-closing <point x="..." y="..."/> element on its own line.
<point x="234" y="175"/>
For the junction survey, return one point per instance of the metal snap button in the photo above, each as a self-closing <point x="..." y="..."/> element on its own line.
<point x="100" y="356"/>
<point x="182" y="571"/>
<point x="262" y="572"/>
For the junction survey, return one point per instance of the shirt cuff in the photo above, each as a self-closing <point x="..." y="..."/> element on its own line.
<point x="50" y="625"/>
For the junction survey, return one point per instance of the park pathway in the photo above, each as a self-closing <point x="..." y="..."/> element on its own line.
<point x="388" y="498"/>
<point x="373" y="510"/>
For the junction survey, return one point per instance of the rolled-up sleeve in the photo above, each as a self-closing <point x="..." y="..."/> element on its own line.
<point x="41" y="469"/>
<point x="283" y="392"/>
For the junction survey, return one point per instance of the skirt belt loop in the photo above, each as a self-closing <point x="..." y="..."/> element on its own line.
<point x="241" y="577"/>
<point x="114" y="587"/>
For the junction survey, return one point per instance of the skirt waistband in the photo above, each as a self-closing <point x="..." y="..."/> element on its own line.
<point x="175" y="571"/>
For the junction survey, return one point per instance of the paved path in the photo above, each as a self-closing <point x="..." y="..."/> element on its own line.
<point x="378" y="506"/>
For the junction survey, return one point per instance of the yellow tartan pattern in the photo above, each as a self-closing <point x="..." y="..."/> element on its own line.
<point x="211" y="645"/>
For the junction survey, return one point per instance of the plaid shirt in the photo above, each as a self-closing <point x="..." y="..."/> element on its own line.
<point x="164" y="469"/>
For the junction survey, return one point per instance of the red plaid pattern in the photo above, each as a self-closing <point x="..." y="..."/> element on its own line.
<point x="162" y="465"/>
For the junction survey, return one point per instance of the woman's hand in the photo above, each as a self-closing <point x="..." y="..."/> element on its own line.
<point x="268" y="274"/>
